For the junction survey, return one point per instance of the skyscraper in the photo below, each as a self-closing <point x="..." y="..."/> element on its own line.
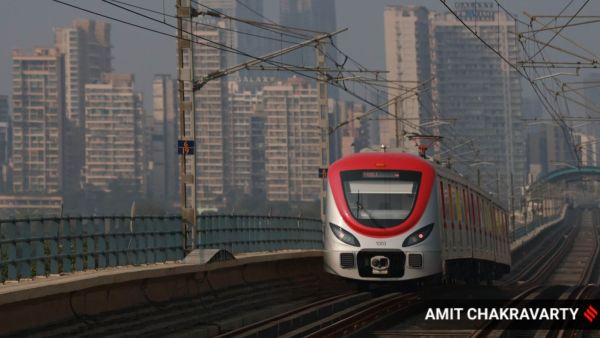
<point x="247" y="38"/>
<point x="114" y="134"/>
<point x="163" y="161"/>
<point x="243" y="106"/>
<point x="5" y="143"/>
<point x="408" y="62"/>
<point x="292" y="141"/>
<point x="242" y="38"/>
<point x="470" y="84"/>
<point x="316" y="15"/>
<point x="213" y="149"/>
<point x="37" y="121"/>
<point x="473" y="85"/>
<point x="87" y="54"/>
<point x="86" y="49"/>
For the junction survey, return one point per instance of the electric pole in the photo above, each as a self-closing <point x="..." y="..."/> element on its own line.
<point x="188" y="85"/>
<point x="396" y="123"/>
<point x="187" y="123"/>
<point x="324" y="113"/>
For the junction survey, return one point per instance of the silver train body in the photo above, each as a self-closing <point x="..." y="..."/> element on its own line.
<point x="458" y="232"/>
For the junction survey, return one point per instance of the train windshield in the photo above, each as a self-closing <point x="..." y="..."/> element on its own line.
<point x="380" y="198"/>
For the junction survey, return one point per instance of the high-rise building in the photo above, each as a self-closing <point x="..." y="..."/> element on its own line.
<point x="213" y="149"/>
<point x="292" y="141"/>
<point x="316" y="15"/>
<point x="249" y="39"/>
<point x="408" y="62"/>
<point x="5" y="144"/>
<point x="469" y="83"/>
<point x="257" y="157"/>
<point x="592" y="103"/>
<point x="588" y="149"/>
<point x="242" y="36"/>
<point x="86" y="49"/>
<point x="354" y="132"/>
<point x="163" y="163"/>
<point x="87" y="54"/>
<point x="38" y="105"/>
<point x="243" y="107"/>
<point x="537" y="163"/>
<point x="114" y="134"/>
<point x="548" y="150"/>
<point x="483" y="93"/>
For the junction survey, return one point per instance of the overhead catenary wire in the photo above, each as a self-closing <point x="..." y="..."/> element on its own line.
<point x="265" y="37"/>
<point x="522" y="72"/>
<point x="560" y="29"/>
<point x="229" y="49"/>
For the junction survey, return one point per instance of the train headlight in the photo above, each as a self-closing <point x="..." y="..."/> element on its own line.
<point x="418" y="236"/>
<point x="344" y="235"/>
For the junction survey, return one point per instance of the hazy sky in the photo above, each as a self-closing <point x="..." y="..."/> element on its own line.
<point x="28" y="23"/>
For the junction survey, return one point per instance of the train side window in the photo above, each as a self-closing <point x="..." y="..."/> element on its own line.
<point x="451" y="205"/>
<point x="467" y="209"/>
<point x="502" y="224"/>
<point x="458" y="206"/>
<point x="492" y="221"/>
<point x="473" y="211"/>
<point x="496" y="222"/>
<point x="478" y="211"/>
<point x="487" y="218"/>
<point x="448" y="205"/>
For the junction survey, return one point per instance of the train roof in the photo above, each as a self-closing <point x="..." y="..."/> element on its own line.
<point x="455" y="176"/>
<point x="359" y="159"/>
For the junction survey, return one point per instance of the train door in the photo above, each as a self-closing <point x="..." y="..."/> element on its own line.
<point x="444" y="219"/>
<point x="468" y="243"/>
<point x="473" y="224"/>
<point x="479" y="225"/>
<point x="451" y="231"/>
<point x="459" y="247"/>
<point x="487" y="231"/>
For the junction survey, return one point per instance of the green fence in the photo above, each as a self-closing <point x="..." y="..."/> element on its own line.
<point x="49" y="246"/>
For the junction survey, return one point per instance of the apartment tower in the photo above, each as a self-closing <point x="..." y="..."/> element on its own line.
<point x="469" y="85"/>
<point x="86" y="49"/>
<point x="213" y="149"/>
<point x="292" y="141"/>
<point x="38" y="105"/>
<point x="114" y="139"/>
<point x="163" y="163"/>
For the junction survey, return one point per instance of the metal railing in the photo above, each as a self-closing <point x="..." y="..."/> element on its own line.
<point x="40" y="247"/>
<point x="538" y="222"/>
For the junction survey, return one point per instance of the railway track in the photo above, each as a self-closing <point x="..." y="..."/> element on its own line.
<point x="559" y="269"/>
<point x="338" y="316"/>
<point x="284" y="309"/>
<point x="574" y="270"/>
<point x="577" y="266"/>
<point x="550" y="252"/>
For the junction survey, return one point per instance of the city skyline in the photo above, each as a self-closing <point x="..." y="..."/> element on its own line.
<point x="131" y="45"/>
<point x="227" y="109"/>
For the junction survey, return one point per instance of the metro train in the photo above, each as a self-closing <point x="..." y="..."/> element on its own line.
<point x="399" y="217"/>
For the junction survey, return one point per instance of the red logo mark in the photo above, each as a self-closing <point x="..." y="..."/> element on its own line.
<point x="590" y="314"/>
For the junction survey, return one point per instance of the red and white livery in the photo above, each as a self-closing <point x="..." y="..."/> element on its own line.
<point x="395" y="216"/>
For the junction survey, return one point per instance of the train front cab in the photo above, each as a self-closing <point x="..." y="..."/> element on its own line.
<point x="382" y="219"/>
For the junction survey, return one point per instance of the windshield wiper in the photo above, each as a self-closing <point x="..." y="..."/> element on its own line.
<point x="370" y="217"/>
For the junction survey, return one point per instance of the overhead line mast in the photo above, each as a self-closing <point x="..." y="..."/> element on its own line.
<point x="187" y="123"/>
<point x="188" y="85"/>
